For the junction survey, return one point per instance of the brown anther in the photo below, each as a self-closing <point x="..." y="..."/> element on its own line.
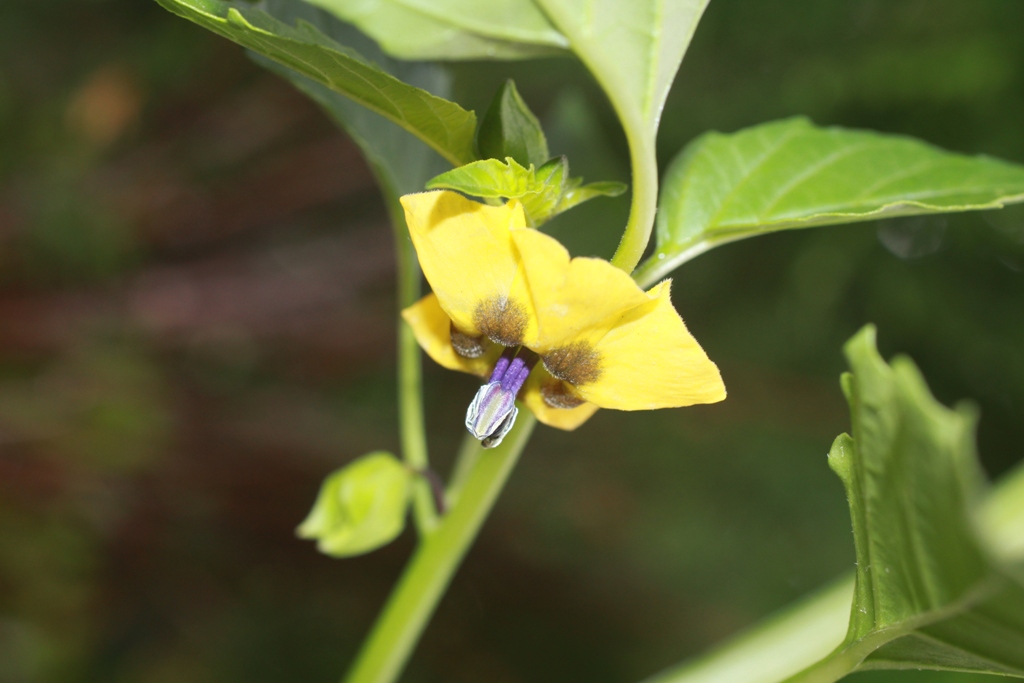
<point x="502" y="320"/>
<point x="559" y="395"/>
<point x="578" y="363"/>
<point x="466" y="345"/>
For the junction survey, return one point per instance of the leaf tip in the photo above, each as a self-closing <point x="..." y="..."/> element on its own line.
<point x="840" y="456"/>
<point x="864" y="341"/>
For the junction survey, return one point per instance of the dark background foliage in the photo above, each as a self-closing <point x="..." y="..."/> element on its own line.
<point x="196" y="325"/>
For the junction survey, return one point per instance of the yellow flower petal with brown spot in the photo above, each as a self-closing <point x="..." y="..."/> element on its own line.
<point x="619" y="346"/>
<point x="562" y="418"/>
<point x="432" y="329"/>
<point x="602" y="341"/>
<point x="465" y="249"/>
<point x="650" y="360"/>
<point x="575" y="300"/>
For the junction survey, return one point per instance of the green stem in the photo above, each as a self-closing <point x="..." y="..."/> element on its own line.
<point x="478" y="477"/>
<point x="430" y="570"/>
<point x="644" y="165"/>
<point x="466" y="458"/>
<point x="654" y="269"/>
<point x="410" y="376"/>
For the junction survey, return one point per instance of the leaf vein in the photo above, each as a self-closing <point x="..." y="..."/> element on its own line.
<point x="748" y="171"/>
<point x="809" y="172"/>
<point x="905" y="173"/>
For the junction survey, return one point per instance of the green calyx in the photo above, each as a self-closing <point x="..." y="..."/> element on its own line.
<point x="361" y="506"/>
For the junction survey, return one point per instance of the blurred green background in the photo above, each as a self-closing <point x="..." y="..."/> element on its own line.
<point x="196" y="325"/>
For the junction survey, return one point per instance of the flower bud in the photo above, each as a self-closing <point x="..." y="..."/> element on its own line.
<point x="361" y="506"/>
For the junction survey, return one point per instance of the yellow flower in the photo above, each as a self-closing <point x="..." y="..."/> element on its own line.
<point x="565" y="336"/>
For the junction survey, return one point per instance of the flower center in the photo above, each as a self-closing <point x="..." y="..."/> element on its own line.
<point x="493" y="410"/>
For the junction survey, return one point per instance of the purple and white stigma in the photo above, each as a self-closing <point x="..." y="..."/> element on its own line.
<point x="493" y="410"/>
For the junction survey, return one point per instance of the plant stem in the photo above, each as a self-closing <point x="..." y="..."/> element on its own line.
<point x="410" y="376"/>
<point x="465" y="459"/>
<point x="435" y="561"/>
<point x="644" y="205"/>
<point x="654" y="269"/>
<point x="478" y="476"/>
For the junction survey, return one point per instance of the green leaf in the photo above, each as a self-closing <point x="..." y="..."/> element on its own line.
<point x="793" y="174"/>
<point x="452" y="29"/>
<point x="929" y="593"/>
<point x="1003" y="519"/>
<point x="443" y="125"/>
<point x="361" y="506"/>
<point x="509" y="129"/>
<point x="938" y="582"/>
<point x="401" y="161"/>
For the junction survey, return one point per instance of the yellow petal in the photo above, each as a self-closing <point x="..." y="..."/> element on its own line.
<point x="561" y="418"/>
<point x="432" y="328"/>
<point x="650" y="360"/>
<point x="619" y="346"/>
<point x="577" y="300"/>
<point x="465" y="249"/>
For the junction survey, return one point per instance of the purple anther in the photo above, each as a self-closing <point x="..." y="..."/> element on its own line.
<point x="514" y="377"/>
<point x="502" y="365"/>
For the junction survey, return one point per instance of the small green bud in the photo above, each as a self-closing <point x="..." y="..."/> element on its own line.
<point x="361" y="506"/>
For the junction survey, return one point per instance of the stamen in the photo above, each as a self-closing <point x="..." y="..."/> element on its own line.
<point x="493" y="410"/>
<point x="504" y="360"/>
<point x="557" y="394"/>
<point x="577" y="363"/>
<point x="502" y="320"/>
<point x="465" y="345"/>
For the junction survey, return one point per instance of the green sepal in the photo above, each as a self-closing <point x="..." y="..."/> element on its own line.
<point x="360" y="507"/>
<point x="490" y="179"/>
<point x="577" y="193"/>
<point x="551" y="181"/>
<point x="544" y="192"/>
<point x="510" y="129"/>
